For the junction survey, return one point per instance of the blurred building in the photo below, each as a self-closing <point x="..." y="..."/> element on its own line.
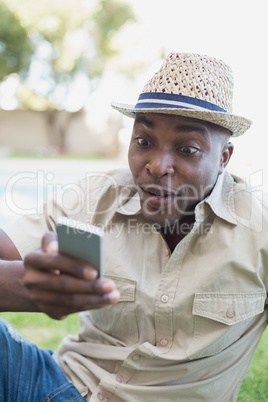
<point x="51" y="131"/>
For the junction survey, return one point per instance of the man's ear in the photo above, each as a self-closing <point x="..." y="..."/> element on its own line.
<point x="225" y="156"/>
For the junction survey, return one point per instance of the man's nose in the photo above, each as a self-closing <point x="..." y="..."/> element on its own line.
<point x="160" y="164"/>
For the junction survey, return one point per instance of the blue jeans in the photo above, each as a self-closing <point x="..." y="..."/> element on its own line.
<point x="30" y="374"/>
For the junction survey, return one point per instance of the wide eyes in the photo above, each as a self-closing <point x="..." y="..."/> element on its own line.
<point x="186" y="150"/>
<point x="142" y="142"/>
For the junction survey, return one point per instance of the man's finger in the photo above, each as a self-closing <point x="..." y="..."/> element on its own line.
<point x="74" y="302"/>
<point x="59" y="263"/>
<point x="67" y="284"/>
<point x="50" y="243"/>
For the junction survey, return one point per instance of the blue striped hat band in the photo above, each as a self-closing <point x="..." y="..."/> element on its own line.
<point x="161" y="100"/>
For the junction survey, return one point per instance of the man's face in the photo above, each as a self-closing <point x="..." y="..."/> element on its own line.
<point x="175" y="162"/>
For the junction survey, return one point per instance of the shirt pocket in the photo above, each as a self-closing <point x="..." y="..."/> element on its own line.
<point x="119" y="320"/>
<point x="219" y="319"/>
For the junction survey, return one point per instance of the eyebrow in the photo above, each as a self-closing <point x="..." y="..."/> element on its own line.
<point x="189" y="129"/>
<point x="143" y="120"/>
<point x="185" y="128"/>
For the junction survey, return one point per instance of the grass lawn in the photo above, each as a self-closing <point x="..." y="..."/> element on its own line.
<point x="255" y="384"/>
<point x="48" y="333"/>
<point x="41" y="329"/>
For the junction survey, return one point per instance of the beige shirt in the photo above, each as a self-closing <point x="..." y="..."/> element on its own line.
<point x="187" y="323"/>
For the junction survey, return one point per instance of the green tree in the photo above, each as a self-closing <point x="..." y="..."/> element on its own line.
<point x="109" y="17"/>
<point x="71" y="39"/>
<point x="15" y="47"/>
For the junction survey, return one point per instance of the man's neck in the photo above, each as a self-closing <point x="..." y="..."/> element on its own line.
<point x="175" y="233"/>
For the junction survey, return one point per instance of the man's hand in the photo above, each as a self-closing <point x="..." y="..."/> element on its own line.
<point x="60" y="285"/>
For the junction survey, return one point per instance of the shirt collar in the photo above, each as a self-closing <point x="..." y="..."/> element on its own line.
<point x="221" y="199"/>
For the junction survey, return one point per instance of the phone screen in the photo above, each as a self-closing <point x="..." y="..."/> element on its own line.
<point x="81" y="240"/>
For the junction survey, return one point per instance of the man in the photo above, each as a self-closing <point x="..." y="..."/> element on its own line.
<point x="181" y="309"/>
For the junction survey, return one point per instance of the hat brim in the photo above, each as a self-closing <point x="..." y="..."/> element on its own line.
<point x="236" y="124"/>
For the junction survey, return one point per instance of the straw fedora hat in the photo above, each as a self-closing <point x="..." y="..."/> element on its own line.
<point x="194" y="86"/>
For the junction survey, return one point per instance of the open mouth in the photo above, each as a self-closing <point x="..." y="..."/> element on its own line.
<point x="158" y="192"/>
<point x="158" y="195"/>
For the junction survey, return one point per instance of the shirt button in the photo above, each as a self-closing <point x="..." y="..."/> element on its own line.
<point x="164" y="298"/>
<point x="100" y="396"/>
<point x="230" y="313"/>
<point x="136" y="357"/>
<point x="118" y="378"/>
<point x="163" y="342"/>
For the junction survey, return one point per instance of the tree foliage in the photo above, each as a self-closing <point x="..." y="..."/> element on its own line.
<point x="69" y="38"/>
<point x="15" y="47"/>
<point x="109" y="17"/>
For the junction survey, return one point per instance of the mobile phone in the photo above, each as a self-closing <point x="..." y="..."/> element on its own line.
<point x="81" y="240"/>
